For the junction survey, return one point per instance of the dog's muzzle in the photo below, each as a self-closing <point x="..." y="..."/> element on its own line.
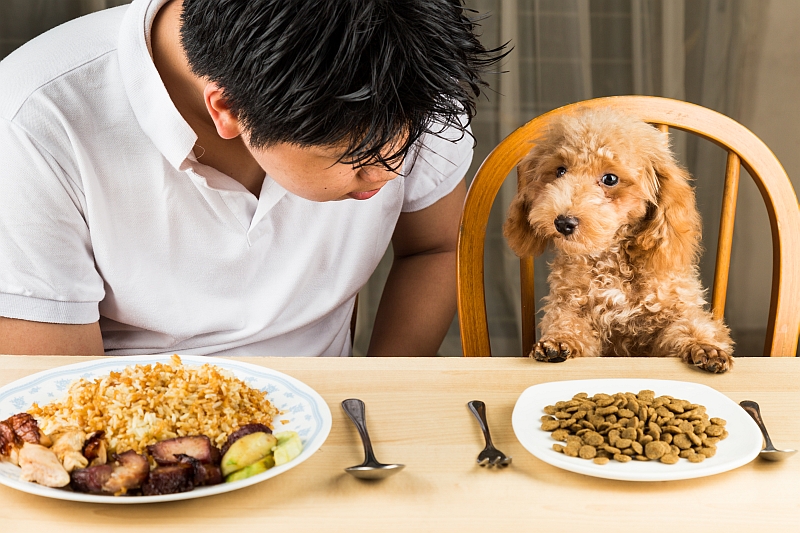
<point x="565" y="225"/>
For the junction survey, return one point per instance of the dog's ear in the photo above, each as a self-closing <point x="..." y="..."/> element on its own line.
<point x="669" y="236"/>
<point x="517" y="230"/>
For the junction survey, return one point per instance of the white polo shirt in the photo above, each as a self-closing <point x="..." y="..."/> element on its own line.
<point x="106" y="214"/>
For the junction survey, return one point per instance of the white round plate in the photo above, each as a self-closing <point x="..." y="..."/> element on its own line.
<point x="742" y="445"/>
<point x="301" y="407"/>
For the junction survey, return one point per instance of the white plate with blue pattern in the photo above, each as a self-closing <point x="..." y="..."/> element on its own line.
<point x="302" y="410"/>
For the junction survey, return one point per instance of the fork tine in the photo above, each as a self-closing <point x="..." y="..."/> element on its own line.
<point x="490" y="456"/>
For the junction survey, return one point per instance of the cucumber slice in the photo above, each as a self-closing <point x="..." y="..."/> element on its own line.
<point x="247" y="451"/>
<point x="289" y="446"/>
<point x="256" y="468"/>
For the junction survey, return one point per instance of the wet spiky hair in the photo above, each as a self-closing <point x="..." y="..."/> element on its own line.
<point x="359" y="74"/>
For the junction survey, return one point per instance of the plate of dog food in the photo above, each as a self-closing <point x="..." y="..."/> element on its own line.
<point x="141" y="429"/>
<point x="635" y="429"/>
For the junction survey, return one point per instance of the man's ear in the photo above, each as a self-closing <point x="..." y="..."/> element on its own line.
<point x="225" y="120"/>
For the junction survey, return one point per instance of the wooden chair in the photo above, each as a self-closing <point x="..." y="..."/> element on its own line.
<point x="743" y="148"/>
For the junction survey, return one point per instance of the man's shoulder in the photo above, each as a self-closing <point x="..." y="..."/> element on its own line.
<point x="54" y="54"/>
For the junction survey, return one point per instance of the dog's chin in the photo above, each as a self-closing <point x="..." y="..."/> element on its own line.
<point x="575" y="245"/>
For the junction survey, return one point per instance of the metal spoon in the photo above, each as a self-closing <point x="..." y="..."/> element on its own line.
<point x="370" y="468"/>
<point x="770" y="453"/>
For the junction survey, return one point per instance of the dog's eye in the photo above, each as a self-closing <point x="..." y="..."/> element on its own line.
<point x="609" y="180"/>
<point x="560" y="171"/>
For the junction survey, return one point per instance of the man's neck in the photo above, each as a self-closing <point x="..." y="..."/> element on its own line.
<point x="229" y="156"/>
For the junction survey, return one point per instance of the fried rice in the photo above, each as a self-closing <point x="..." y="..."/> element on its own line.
<point x="145" y="404"/>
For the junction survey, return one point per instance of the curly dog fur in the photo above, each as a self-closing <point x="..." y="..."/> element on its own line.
<point x="606" y="191"/>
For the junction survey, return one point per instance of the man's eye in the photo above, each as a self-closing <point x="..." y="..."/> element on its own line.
<point x="609" y="180"/>
<point x="560" y="171"/>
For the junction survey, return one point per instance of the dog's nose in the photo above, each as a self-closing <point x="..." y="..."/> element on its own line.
<point x="565" y="225"/>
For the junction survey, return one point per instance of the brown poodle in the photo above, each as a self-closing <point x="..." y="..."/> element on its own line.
<point x="605" y="190"/>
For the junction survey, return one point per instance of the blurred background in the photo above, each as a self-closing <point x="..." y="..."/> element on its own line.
<point x="738" y="57"/>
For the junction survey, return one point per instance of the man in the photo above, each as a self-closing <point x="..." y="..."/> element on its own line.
<point x="223" y="176"/>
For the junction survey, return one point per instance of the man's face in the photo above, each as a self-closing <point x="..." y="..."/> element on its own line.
<point x="314" y="173"/>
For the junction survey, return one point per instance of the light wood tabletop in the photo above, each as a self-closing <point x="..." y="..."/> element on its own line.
<point x="417" y="415"/>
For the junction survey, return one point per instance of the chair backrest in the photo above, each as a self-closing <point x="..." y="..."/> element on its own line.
<point x="744" y="149"/>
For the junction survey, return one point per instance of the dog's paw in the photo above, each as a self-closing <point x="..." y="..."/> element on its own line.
<point x="709" y="358"/>
<point x="550" y="351"/>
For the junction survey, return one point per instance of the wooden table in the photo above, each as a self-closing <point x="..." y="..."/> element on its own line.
<point x="417" y="415"/>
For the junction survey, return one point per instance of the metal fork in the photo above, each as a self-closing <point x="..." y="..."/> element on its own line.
<point x="490" y="456"/>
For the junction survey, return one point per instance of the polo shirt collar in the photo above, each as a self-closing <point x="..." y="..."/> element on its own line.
<point x="148" y="97"/>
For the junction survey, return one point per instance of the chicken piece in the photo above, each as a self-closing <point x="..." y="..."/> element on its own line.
<point x="8" y="441"/>
<point x="128" y="471"/>
<point x="94" y="449"/>
<point x="68" y="447"/>
<point x="204" y="474"/>
<point x="199" y="447"/>
<point x="40" y="465"/>
<point x="169" y="479"/>
<point x="26" y="428"/>
<point x="13" y="456"/>
<point x="9" y="444"/>
<point x="16" y="430"/>
<point x="92" y="479"/>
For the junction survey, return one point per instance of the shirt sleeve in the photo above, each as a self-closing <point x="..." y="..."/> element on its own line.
<point x="441" y="162"/>
<point x="47" y="269"/>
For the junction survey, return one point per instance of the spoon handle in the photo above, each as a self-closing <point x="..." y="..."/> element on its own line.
<point x="754" y="411"/>
<point x="357" y="412"/>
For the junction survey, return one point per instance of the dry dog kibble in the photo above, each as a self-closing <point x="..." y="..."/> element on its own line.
<point x="708" y="451"/>
<point x="593" y="438"/>
<point x="696" y="441"/>
<point x="623" y="443"/>
<point x="669" y="459"/>
<point x="571" y="449"/>
<point x="656" y="449"/>
<point x="627" y="426"/>
<point x="681" y="440"/>
<point x="560" y="434"/>
<point x="550" y="425"/>
<point x="587" y="452"/>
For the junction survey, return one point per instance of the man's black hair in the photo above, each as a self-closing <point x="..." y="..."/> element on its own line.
<point x="362" y="74"/>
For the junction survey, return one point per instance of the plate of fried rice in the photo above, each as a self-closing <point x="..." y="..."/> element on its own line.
<point x="140" y="400"/>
